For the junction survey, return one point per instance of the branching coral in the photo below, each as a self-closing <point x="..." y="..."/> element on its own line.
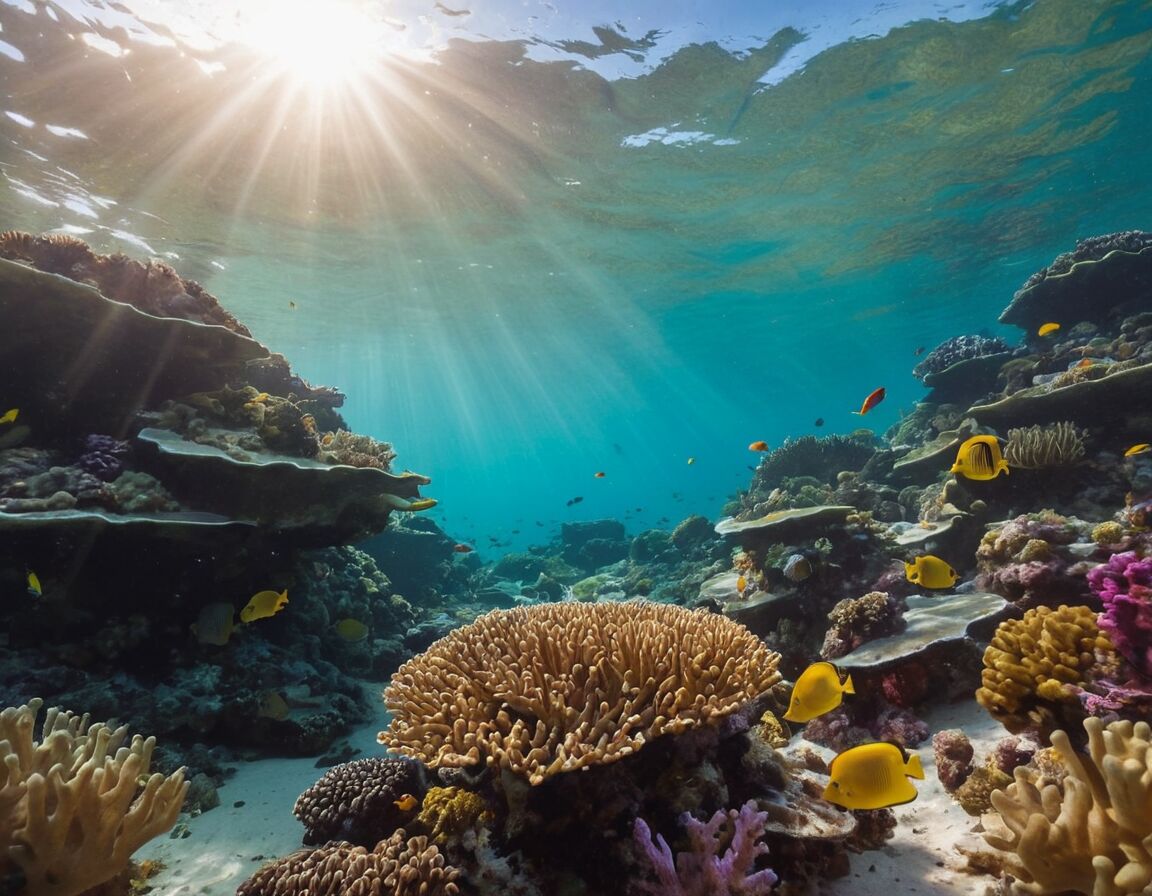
<point x="1124" y="585"/>
<point x="72" y="806"/>
<point x="1048" y="445"/>
<point x="550" y="688"/>
<point x="1035" y="667"/>
<point x="703" y="870"/>
<point x="398" y="866"/>
<point x="1090" y="834"/>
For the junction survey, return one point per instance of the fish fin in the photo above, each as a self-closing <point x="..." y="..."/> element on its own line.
<point x="913" y="768"/>
<point x="848" y="688"/>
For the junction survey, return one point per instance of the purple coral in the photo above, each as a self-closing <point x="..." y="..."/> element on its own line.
<point x="702" y="870"/>
<point x="1124" y="585"/>
<point x="103" y="456"/>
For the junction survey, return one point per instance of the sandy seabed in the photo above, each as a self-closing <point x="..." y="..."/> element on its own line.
<point x="254" y="824"/>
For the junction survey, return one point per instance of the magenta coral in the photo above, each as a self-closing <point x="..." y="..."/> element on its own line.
<point x="709" y="868"/>
<point x="1124" y="585"/>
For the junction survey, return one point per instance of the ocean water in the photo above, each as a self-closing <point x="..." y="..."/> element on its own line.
<point x="533" y="242"/>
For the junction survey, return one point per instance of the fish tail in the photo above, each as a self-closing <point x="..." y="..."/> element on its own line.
<point x="848" y="688"/>
<point x="913" y="768"/>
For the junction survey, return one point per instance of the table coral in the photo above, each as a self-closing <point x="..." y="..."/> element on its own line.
<point x="546" y="689"/>
<point x="1124" y="585"/>
<point x="1035" y="667"/>
<point x="76" y="804"/>
<point x="1091" y="833"/>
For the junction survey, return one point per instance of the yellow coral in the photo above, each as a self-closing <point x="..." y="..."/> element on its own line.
<point x="1092" y="832"/>
<point x="1109" y="532"/>
<point x="1032" y="664"/>
<point x="450" y="811"/>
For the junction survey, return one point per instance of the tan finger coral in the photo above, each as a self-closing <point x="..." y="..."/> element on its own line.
<point x="1034" y="664"/>
<point x="398" y="866"/>
<point x="1090" y="834"/>
<point x="555" y="687"/>
<point x="75" y="805"/>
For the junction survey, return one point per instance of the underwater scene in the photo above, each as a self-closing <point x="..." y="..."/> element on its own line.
<point x="562" y="448"/>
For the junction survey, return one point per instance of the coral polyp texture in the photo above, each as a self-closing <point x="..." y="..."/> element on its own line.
<point x="1124" y="585"/>
<point x="551" y="688"/>
<point x="1035" y="667"/>
<point x="1091" y="833"/>
<point x="397" y="866"/>
<point x="1051" y="445"/>
<point x="76" y="804"/>
<point x="357" y="801"/>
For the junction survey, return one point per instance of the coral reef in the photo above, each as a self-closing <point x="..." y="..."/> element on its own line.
<point x="1091" y="833"/>
<point x="1037" y="666"/>
<point x="450" y="811"/>
<point x="856" y="620"/>
<point x="1028" y="559"/>
<point x="76" y="804"/>
<point x="356" y="801"/>
<point x="537" y="690"/>
<point x="703" y="870"/>
<point x="952" y="351"/>
<point x="354" y="450"/>
<point x="397" y="866"/>
<point x="1124" y="585"/>
<point x="1042" y="446"/>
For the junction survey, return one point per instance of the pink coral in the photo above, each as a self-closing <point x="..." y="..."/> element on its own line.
<point x="1124" y="585"/>
<point x="720" y="862"/>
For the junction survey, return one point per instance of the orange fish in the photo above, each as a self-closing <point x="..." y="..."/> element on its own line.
<point x="741" y="584"/>
<point x="1086" y="362"/>
<point x="599" y="474"/>
<point x="758" y="446"/>
<point x="462" y="548"/>
<point x="874" y="398"/>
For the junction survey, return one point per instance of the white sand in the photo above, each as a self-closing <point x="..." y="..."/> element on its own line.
<point x="227" y="844"/>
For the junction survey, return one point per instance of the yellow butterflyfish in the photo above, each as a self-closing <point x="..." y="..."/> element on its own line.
<point x="264" y="604"/>
<point x="10" y="415"/>
<point x="1045" y="329"/>
<point x="873" y="776"/>
<point x="930" y="572"/>
<point x="979" y="458"/>
<point x="818" y="690"/>
<point x="351" y="630"/>
<point x="1138" y="449"/>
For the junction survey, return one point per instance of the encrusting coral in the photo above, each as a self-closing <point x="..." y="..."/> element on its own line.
<point x="554" y="687"/>
<point x="1049" y="445"/>
<point x="356" y="801"/>
<point x="1036" y="666"/>
<point x="1092" y="832"/>
<point x="397" y="866"/>
<point x="72" y="806"/>
<point x="450" y="811"/>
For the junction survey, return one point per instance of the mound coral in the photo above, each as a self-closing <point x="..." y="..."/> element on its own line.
<point x="1090" y="833"/>
<point x="1041" y="446"/>
<point x="397" y="866"/>
<point x="1124" y="585"/>
<point x="1035" y="668"/>
<point x="855" y="621"/>
<point x="356" y="801"/>
<point x="75" y="805"/>
<point x="1027" y="560"/>
<point x="958" y="348"/>
<point x="355" y="450"/>
<point x="550" y="688"/>
<point x="702" y="870"/>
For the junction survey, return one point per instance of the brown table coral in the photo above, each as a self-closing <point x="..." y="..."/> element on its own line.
<point x="550" y="688"/>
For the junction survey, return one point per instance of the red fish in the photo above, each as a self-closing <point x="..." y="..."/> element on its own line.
<point x="874" y="398"/>
<point x="758" y="446"/>
<point x="462" y="548"/>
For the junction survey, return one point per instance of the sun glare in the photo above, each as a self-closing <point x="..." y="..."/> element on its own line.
<point x="321" y="45"/>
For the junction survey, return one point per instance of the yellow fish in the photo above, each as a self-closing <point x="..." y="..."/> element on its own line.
<point x="741" y="584"/>
<point x="1138" y="449"/>
<point x="818" y="690"/>
<point x="1047" y="328"/>
<point x="264" y="604"/>
<point x="980" y="458"/>
<point x="273" y="706"/>
<point x="351" y="630"/>
<point x="873" y="776"/>
<point x="406" y="803"/>
<point x="34" y="584"/>
<point x="930" y="572"/>
<point x="423" y="504"/>
<point x="10" y="415"/>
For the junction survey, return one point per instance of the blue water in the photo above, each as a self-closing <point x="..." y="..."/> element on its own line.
<point x="525" y="262"/>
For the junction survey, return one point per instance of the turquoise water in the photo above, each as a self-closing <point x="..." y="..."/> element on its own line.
<point x="529" y="259"/>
